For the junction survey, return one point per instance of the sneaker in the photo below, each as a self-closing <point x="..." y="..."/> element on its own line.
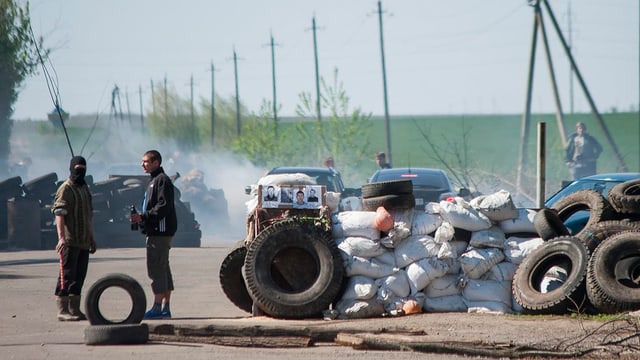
<point x="166" y="314"/>
<point x="153" y="314"/>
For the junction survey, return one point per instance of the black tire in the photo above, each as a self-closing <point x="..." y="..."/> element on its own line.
<point x="47" y="181"/>
<point x="613" y="276"/>
<point x="584" y="200"/>
<point x="127" y="283"/>
<point x="625" y="197"/>
<point x="11" y="187"/>
<point x="596" y="234"/>
<point x="567" y="252"/>
<point x="548" y="224"/>
<point x="127" y="334"/>
<point x="293" y="270"/>
<point x="231" y="279"/>
<point x="389" y="202"/>
<point x="393" y="187"/>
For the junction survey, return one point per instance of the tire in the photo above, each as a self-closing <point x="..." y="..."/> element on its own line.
<point x="47" y="181"/>
<point x="625" y="197"/>
<point x="127" y="283"/>
<point x="394" y="187"/>
<point x="596" y="234"/>
<point x="389" y="202"/>
<point x="613" y="284"/>
<point x="566" y="252"/>
<point x="231" y="279"/>
<point x="293" y="270"/>
<point x="127" y="334"/>
<point x="584" y="200"/>
<point x="548" y="224"/>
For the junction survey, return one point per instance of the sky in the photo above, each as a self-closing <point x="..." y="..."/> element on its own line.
<point x="441" y="57"/>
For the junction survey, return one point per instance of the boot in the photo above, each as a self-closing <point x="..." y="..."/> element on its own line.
<point x="63" y="309"/>
<point x="74" y="307"/>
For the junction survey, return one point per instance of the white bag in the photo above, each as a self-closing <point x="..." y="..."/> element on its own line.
<point x="516" y="248"/>
<point x="449" y="303"/>
<point x="415" y="248"/>
<point x="523" y="223"/>
<point x="498" y="206"/>
<point x="398" y="283"/>
<point x="503" y="271"/>
<point x="443" y="286"/>
<point x="361" y="246"/>
<point x="359" y="287"/>
<point x="487" y="290"/>
<point x="372" y="268"/>
<point x="422" y="272"/>
<point x="354" y="223"/>
<point x="491" y="237"/>
<point x="425" y="223"/>
<point x="359" y="309"/>
<point x="476" y="262"/>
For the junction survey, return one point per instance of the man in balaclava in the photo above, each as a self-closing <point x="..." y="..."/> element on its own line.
<point x="73" y="211"/>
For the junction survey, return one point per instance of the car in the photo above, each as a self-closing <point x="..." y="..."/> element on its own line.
<point x="429" y="185"/>
<point x="601" y="183"/>
<point x="328" y="177"/>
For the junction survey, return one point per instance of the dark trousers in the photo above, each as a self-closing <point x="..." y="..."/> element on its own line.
<point x="158" y="267"/>
<point x="74" y="264"/>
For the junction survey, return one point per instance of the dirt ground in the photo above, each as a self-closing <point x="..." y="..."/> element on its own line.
<point x="207" y="325"/>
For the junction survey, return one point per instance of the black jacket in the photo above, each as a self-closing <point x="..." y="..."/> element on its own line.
<point x="159" y="214"/>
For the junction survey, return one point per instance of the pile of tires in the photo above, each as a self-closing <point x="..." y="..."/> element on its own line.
<point x="597" y="269"/>
<point x="392" y="195"/>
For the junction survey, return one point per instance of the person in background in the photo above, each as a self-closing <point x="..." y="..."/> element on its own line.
<point x="159" y="223"/>
<point x="329" y="162"/>
<point x="73" y="211"/>
<point x="582" y="152"/>
<point x="381" y="160"/>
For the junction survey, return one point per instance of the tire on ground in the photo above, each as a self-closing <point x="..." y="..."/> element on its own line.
<point x="293" y="270"/>
<point x="548" y="224"/>
<point x="393" y="187"/>
<point x="625" y="197"/>
<point x="128" y="284"/>
<point x="567" y="252"/>
<point x="389" y="202"/>
<point x="126" y="334"/>
<point x="612" y="276"/>
<point x="596" y="234"/>
<point x="584" y="200"/>
<point x="231" y="279"/>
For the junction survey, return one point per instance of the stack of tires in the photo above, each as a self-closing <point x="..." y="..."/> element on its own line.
<point x="392" y="195"/>
<point x="597" y="269"/>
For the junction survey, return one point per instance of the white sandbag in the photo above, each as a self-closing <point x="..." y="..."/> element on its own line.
<point x="404" y="216"/>
<point x="351" y="203"/>
<point x="454" y="266"/>
<point x="491" y="237"/>
<point x="359" y="309"/>
<point x="462" y="217"/>
<point x="503" y="271"/>
<point x="354" y="223"/>
<point x="425" y="223"/>
<point x="396" y="235"/>
<point x="449" y="303"/>
<point x="443" y="286"/>
<point x="444" y="232"/>
<point x="415" y="248"/>
<point x="459" y="247"/>
<point x="359" y="287"/>
<point x="523" y="223"/>
<point x="398" y="283"/>
<point x="372" y="267"/>
<point x="286" y="179"/>
<point x="488" y="307"/>
<point x="422" y="272"/>
<point x="553" y="279"/>
<point x="446" y="251"/>
<point x="487" y="290"/>
<point x="388" y="257"/>
<point x="498" y="206"/>
<point x="476" y="262"/>
<point x="332" y="200"/>
<point x="361" y="246"/>
<point x="516" y="248"/>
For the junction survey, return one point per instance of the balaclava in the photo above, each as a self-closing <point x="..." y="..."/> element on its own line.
<point x="77" y="175"/>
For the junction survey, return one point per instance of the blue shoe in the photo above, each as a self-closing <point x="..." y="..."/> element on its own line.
<point x="153" y="314"/>
<point x="166" y="314"/>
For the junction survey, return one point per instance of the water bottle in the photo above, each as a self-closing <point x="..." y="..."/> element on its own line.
<point x="134" y="226"/>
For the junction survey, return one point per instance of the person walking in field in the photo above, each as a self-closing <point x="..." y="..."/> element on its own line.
<point x="582" y="152"/>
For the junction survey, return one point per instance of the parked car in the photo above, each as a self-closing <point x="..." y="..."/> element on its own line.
<point x="429" y="185"/>
<point x="601" y="183"/>
<point x="328" y="177"/>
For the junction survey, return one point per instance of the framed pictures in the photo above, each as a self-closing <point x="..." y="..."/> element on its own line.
<point x="291" y="196"/>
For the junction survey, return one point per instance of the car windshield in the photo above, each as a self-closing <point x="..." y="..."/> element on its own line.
<point x="600" y="186"/>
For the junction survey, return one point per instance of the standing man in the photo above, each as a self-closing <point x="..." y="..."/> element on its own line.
<point x="582" y="152"/>
<point x="381" y="160"/>
<point x="74" y="214"/>
<point x="159" y="223"/>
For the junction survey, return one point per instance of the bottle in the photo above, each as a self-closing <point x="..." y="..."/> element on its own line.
<point x="134" y="226"/>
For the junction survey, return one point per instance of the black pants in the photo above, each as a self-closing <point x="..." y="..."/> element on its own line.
<point x="74" y="264"/>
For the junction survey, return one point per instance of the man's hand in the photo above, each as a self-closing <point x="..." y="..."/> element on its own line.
<point x="136" y="218"/>
<point x="61" y="245"/>
<point x="92" y="247"/>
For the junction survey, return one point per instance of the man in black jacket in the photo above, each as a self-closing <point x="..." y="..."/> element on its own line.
<point x="582" y="152"/>
<point x="159" y="223"/>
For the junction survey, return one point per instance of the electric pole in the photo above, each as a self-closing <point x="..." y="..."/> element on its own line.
<point x="384" y="87"/>
<point x="315" y="54"/>
<point x="213" y="107"/>
<point x="141" y="111"/>
<point x="235" y="71"/>
<point x="273" y="82"/>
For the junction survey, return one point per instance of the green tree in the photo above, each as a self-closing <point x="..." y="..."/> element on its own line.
<point x="18" y="59"/>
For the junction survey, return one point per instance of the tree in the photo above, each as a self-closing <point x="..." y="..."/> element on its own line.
<point x="19" y="58"/>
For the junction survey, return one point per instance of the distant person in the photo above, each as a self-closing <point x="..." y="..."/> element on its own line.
<point x="159" y="224"/>
<point x="74" y="215"/>
<point x="312" y="196"/>
<point x="381" y="160"/>
<point x="271" y="196"/>
<point x="582" y="152"/>
<point x="329" y="162"/>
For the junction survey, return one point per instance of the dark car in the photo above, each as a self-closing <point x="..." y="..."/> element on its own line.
<point x="601" y="183"/>
<point x="328" y="177"/>
<point x="429" y="185"/>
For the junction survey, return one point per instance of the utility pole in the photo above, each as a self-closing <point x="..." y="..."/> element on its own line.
<point x="235" y="71"/>
<point x="570" y="49"/>
<point x="141" y="111"/>
<point x="273" y="82"/>
<point x="126" y="96"/>
<point x="153" y="97"/>
<point x="213" y="107"/>
<point x="315" y="55"/>
<point x="166" y="102"/>
<point x="193" y="118"/>
<point x="384" y="87"/>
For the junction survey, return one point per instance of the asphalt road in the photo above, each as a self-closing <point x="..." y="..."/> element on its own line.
<point x="29" y="328"/>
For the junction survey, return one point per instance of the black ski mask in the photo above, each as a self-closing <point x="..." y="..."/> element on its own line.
<point x="77" y="174"/>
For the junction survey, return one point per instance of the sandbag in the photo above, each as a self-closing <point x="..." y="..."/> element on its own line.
<point x="476" y="262"/>
<point x="503" y="271"/>
<point x="523" y="223"/>
<point x="422" y="272"/>
<point x="449" y="303"/>
<point x="443" y="286"/>
<point x="444" y="232"/>
<point x="359" y="288"/>
<point x="354" y="223"/>
<point x="425" y="223"/>
<point x="462" y="217"/>
<point x="397" y="283"/>
<point x="516" y="248"/>
<point x="488" y="307"/>
<point x="359" y="309"/>
<point x="415" y="248"/>
<point x="487" y="290"/>
<point x="372" y="268"/>
<point x="360" y="246"/>
<point x="491" y="237"/>
<point x="498" y="206"/>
